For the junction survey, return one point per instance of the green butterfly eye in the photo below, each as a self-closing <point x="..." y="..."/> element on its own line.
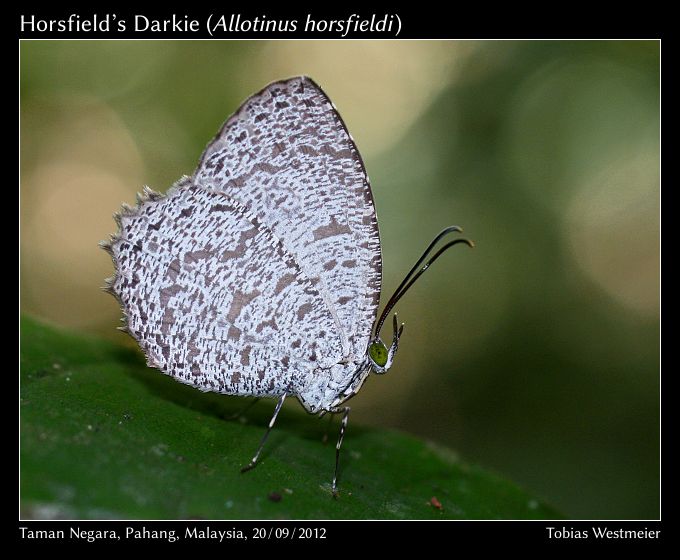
<point x="378" y="353"/>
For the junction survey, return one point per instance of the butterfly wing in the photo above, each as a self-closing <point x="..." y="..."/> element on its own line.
<point x="215" y="300"/>
<point x="287" y="156"/>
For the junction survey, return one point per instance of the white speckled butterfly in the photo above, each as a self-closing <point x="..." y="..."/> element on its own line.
<point x="260" y="274"/>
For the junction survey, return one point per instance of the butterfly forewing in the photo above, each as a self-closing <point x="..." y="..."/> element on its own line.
<point x="287" y="156"/>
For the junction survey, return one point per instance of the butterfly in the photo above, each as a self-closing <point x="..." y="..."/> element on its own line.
<point x="260" y="275"/>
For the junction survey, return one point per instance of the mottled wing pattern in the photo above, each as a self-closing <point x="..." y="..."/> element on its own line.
<point x="287" y="156"/>
<point x="214" y="298"/>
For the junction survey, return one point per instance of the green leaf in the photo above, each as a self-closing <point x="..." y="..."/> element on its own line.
<point x="103" y="436"/>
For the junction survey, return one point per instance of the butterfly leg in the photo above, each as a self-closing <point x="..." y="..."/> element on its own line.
<point x="253" y="462"/>
<point x="343" y="427"/>
<point x="243" y="410"/>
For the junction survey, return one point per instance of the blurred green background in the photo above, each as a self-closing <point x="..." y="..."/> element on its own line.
<point x="537" y="354"/>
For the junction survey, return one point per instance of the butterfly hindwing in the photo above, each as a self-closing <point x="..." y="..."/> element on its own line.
<point x="215" y="300"/>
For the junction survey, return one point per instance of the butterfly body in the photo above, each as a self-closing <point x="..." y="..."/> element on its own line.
<point x="260" y="274"/>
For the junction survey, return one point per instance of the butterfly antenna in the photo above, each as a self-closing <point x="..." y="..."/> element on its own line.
<point x="412" y="275"/>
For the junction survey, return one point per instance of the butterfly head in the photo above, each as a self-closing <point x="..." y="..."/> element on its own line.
<point x="379" y="355"/>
